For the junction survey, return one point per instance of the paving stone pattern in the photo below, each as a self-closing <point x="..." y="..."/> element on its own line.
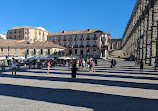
<point x="122" y="88"/>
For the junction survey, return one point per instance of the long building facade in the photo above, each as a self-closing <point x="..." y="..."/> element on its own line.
<point x="82" y="43"/>
<point x="140" y="39"/>
<point x="28" y="33"/>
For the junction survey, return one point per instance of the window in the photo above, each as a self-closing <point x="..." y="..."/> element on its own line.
<point x="70" y="43"/>
<point x="15" y="32"/>
<point x="75" y="51"/>
<point x="94" y="43"/>
<point x="60" y="43"/>
<point x="1" y="50"/>
<point x="88" y="43"/>
<point x="19" y="31"/>
<point x="64" y="37"/>
<point x="64" y="43"/>
<point x="76" y="43"/>
<point x="43" y="38"/>
<point x="95" y="35"/>
<point x="15" y="51"/>
<point x="15" y="37"/>
<point x="88" y="36"/>
<point x="82" y="45"/>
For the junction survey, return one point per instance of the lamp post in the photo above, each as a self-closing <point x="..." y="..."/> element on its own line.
<point x="8" y="51"/>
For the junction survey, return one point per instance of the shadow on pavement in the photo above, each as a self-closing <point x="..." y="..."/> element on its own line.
<point x="93" y="100"/>
<point x="88" y="81"/>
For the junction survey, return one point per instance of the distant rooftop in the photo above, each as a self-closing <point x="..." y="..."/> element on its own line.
<point x="65" y="32"/>
<point x="37" y="28"/>
<point x="22" y="44"/>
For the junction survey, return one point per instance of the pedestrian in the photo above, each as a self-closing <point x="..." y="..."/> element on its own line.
<point x="13" y="66"/>
<point x="34" y="63"/>
<point x="96" y="62"/>
<point x="155" y="65"/>
<point x="48" y="67"/>
<point x="93" y="66"/>
<point x="112" y="63"/>
<point x="141" y="64"/>
<point x="83" y="64"/>
<point x="74" y="70"/>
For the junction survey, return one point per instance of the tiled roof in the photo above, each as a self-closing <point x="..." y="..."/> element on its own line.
<point x="19" y="27"/>
<point x="24" y="45"/>
<point x="64" y="32"/>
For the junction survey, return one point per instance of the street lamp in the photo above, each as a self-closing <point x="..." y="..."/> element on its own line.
<point x="8" y="50"/>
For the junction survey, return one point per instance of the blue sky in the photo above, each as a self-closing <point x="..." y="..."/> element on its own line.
<point x="110" y="16"/>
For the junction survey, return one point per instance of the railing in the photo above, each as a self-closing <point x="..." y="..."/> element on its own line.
<point x="82" y="39"/>
<point x="95" y="38"/>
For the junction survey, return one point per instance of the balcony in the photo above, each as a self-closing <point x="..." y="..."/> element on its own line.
<point x="76" y="39"/>
<point x="59" y="40"/>
<point x="82" y="39"/>
<point x="94" y="45"/>
<point x="81" y="46"/>
<point x="70" y="39"/>
<point x="95" y="38"/>
<point x="64" y="39"/>
<point x="88" y="38"/>
<point x="76" y="46"/>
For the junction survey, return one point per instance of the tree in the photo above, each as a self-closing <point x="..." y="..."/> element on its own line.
<point x="1" y="37"/>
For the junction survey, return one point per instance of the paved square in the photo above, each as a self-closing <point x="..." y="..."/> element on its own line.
<point x="123" y="88"/>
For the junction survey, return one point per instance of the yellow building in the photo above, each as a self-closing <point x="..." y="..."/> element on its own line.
<point x="28" y="33"/>
<point x="82" y="43"/>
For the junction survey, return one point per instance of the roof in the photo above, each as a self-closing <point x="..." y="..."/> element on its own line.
<point x="71" y="32"/>
<point x="19" y="27"/>
<point x="24" y="45"/>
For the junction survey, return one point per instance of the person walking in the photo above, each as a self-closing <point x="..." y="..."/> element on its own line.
<point x="93" y="66"/>
<point x="155" y="65"/>
<point x="13" y="66"/>
<point x="112" y="63"/>
<point x="83" y="64"/>
<point x="48" y="67"/>
<point x="141" y="64"/>
<point x="74" y="70"/>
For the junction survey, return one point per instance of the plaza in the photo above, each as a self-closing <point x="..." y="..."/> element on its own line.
<point x="122" y="88"/>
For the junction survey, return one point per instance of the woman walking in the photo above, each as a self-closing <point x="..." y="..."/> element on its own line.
<point x="48" y="67"/>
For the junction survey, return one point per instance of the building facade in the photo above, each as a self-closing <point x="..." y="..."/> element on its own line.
<point x="82" y="43"/>
<point x="140" y="38"/>
<point x="28" y="33"/>
<point x="15" y="48"/>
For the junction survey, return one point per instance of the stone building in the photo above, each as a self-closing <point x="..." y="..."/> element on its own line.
<point x="82" y="43"/>
<point x="15" y="48"/>
<point x="28" y="33"/>
<point x="140" y="38"/>
<point x="115" y="44"/>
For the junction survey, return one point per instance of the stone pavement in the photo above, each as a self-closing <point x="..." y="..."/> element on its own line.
<point x="123" y="88"/>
